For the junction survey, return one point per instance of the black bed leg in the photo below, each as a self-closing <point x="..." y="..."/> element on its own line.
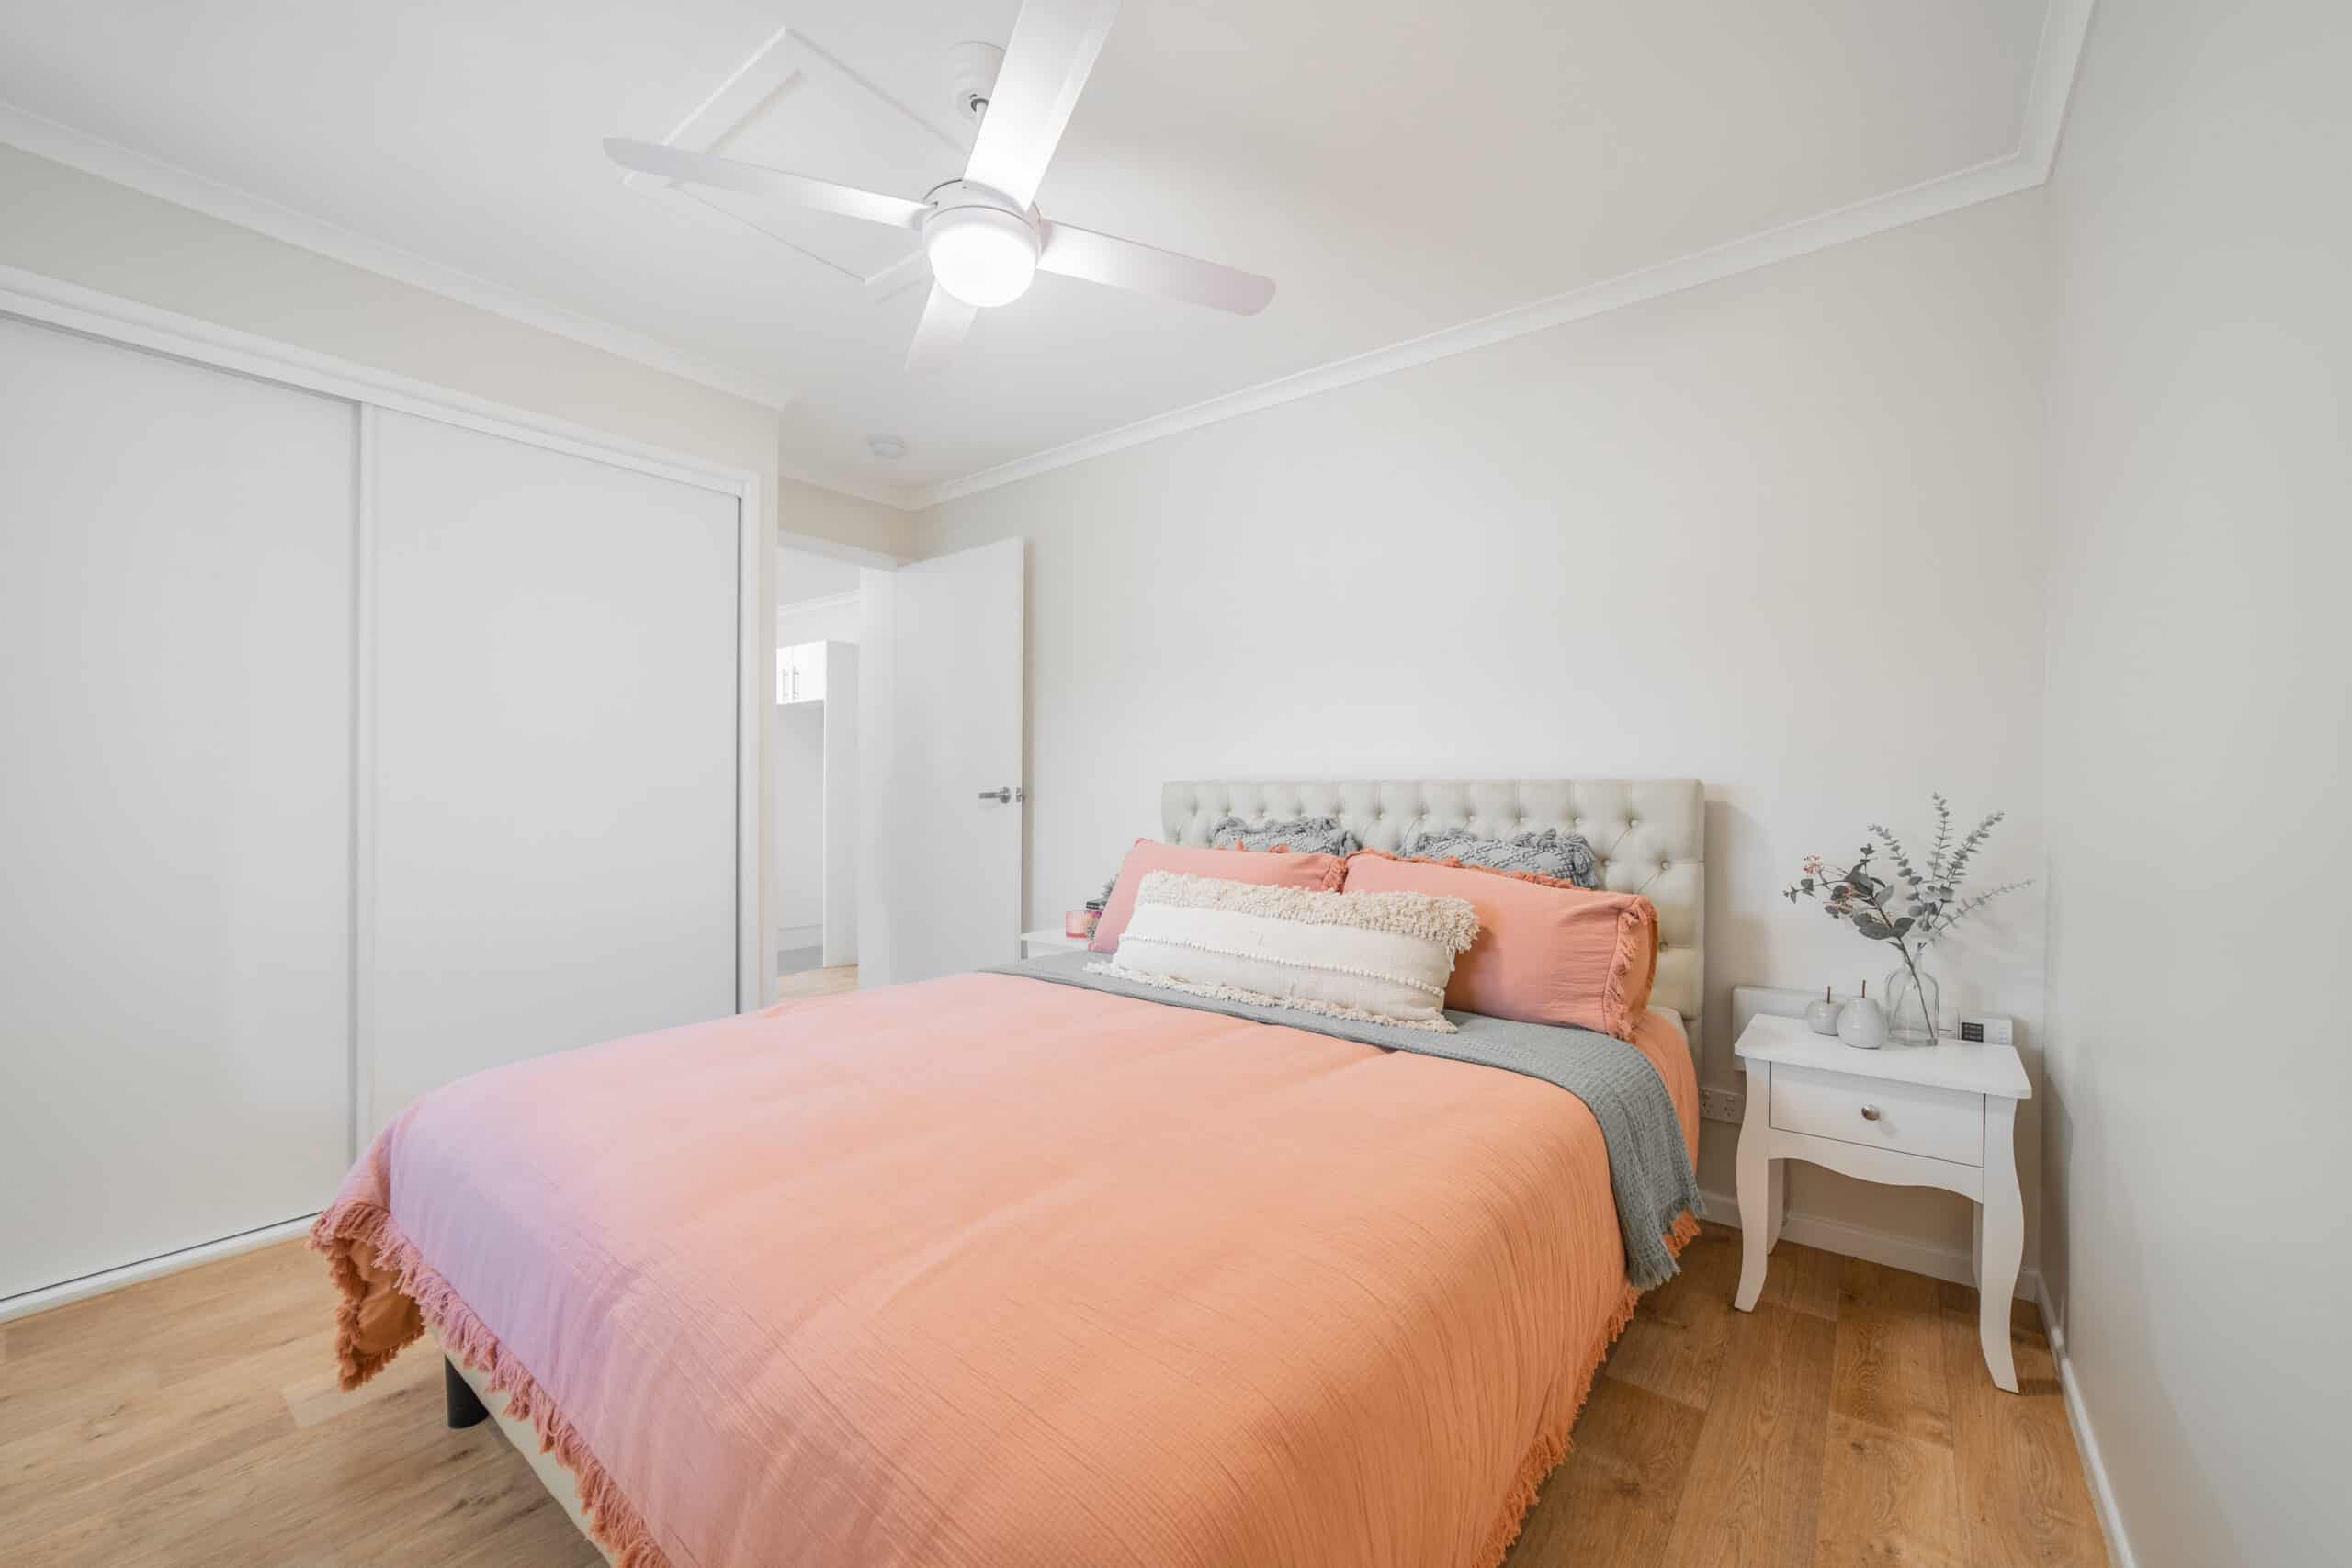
<point x="465" y="1409"/>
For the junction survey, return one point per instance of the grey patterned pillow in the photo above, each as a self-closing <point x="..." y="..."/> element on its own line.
<point x="1301" y="835"/>
<point x="1548" y="853"/>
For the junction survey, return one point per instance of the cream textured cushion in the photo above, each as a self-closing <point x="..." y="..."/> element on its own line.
<point x="1380" y="957"/>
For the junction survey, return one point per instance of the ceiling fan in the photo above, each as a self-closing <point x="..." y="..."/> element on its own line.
<point x="982" y="234"/>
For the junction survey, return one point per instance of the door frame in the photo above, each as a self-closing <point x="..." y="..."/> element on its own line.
<point x="53" y="302"/>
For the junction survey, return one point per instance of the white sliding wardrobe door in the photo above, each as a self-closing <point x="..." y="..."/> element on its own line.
<point x="175" y="704"/>
<point x="550" y="725"/>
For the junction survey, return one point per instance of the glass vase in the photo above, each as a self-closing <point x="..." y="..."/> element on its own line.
<point x="1913" y="1005"/>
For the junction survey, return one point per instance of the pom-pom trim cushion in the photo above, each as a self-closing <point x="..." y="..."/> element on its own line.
<point x="1377" y="957"/>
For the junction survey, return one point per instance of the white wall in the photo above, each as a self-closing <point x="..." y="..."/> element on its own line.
<point x="798" y="862"/>
<point x="802" y="575"/>
<point x="817" y="598"/>
<point x="1780" y="533"/>
<point x="815" y="854"/>
<point x="875" y="532"/>
<point x="845" y="765"/>
<point x="2199" y="494"/>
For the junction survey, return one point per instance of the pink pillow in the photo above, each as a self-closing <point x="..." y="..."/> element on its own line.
<point x="1276" y="868"/>
<point x="1548" y="951"/>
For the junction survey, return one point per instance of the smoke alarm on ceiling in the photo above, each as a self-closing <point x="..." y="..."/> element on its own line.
<point x="889" y="449"/>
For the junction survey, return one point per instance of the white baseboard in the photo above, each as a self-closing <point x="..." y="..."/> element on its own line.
<point x="48" y="1296"/>
<point x="2078" y="1417"/>
<point x="791" y="939"/>
<point x="1889" y="1248"/>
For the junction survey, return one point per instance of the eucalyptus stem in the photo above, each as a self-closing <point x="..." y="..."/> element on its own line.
<point x="1918" y="986"/>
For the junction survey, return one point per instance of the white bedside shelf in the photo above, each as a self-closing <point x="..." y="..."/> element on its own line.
<point x="1037" y="944"/>
<point x="1941" y="1115"/>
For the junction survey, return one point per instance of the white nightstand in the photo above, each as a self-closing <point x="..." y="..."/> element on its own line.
<point x="1939" y="1116"/>
<point x="1037" y="944"/>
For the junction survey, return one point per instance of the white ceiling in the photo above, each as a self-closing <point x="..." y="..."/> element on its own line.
<point x="1398" y="167"/>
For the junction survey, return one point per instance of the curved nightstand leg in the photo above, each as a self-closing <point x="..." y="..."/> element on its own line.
<point x="1758" y="1219"/>
<point x="2002" y="1222"/>
<point x="1780" y="1204"/>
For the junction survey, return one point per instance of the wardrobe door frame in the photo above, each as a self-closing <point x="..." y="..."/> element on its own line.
<point x="50" y="302"/>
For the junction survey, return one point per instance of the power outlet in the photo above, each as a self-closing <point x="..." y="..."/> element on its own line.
<point x="1721" y="1104"/>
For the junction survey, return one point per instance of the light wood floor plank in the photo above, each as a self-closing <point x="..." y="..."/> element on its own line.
<point x="1887" y="1499"/>
<point x="1680" y="1335"/>
<point x="1612" y="1502"/>
<point x="1754" y="1489"/>
<point x="816" y="982"/>
<point x="1802" y="1279"/>
<point x="2023" y="1498"/>
<point x="1890" y="1368"/>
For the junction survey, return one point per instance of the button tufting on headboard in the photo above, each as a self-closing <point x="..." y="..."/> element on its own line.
<point x="1648" y="836"/>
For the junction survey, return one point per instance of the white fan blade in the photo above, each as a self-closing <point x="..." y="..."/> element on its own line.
<point x="727" y="174"/>
<point x="1045" y="64"/>
<point x="905" y="272"/>
<point x="1125" y="263"/>
<point x="945" y="320"/>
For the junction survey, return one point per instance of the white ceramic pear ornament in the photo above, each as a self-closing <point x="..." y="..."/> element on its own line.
<point x="1822" y="1016"/>
<point x="1861" y="1023"/>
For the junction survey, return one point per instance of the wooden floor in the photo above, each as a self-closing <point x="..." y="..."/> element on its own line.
<point x="816" y="982"/>
<point x="1848" y="1419"/>
<point x="195" y="1420"/>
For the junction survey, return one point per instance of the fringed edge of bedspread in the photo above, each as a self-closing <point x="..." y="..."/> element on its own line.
<point x="1552" y="1446"/>
<point x="340" y="1232"/>
<point x="353" y="1225"/>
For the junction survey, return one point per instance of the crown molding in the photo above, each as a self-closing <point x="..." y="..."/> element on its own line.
<point x="2056" y="65"/>
<point x="168" y="182"/>
<point x="2028" y="165"/>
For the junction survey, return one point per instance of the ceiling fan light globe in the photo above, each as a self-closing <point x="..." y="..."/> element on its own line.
<point x="981" y="255"/>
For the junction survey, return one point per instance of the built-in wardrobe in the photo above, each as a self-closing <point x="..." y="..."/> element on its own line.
<point x="353" y="744"/>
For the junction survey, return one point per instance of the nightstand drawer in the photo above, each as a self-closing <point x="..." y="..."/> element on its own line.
<point x="1911" y="1119"/>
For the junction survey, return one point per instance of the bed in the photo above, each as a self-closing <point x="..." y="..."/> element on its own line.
<point x="1002" y="1269"/>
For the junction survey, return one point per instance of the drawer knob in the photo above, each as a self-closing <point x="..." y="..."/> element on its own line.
<point x="1870" y="1112"/>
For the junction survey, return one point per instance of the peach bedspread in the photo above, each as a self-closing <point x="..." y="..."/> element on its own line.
<point x="989" y="1271"/>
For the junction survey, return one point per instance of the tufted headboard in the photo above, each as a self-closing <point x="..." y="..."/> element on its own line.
<point x="1650" y="835"/>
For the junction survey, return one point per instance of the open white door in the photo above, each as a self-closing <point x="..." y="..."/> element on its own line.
<point x="940" y="704"/>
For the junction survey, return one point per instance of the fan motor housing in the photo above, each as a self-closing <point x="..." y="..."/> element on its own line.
<point x="955" y="195"/>
<point x="983" y="248"/>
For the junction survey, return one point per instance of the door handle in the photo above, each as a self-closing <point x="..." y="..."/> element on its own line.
<point x="1004" y="797"/>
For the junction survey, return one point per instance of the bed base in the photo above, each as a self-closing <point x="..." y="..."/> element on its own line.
<point x="466" y="1408"/>
<point x="466" y="1396"/>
